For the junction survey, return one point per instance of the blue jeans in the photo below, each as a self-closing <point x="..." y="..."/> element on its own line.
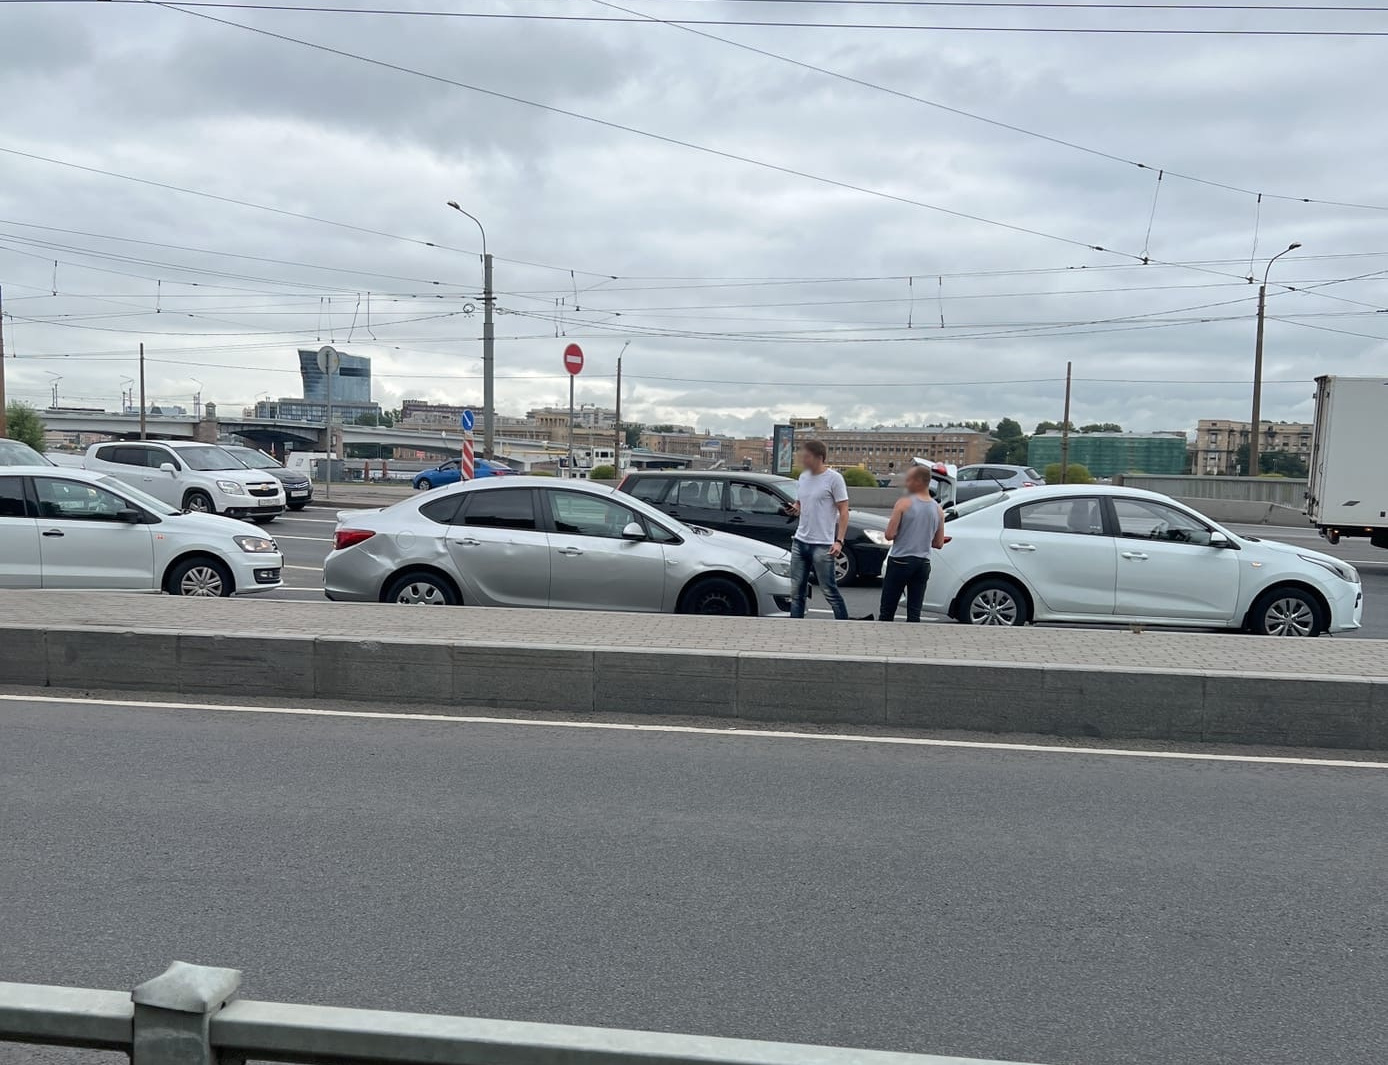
<point x="803" y="558"/>
<point x="909" y="575"/>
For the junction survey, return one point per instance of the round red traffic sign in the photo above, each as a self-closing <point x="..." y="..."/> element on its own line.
<point x="573" y="359"/>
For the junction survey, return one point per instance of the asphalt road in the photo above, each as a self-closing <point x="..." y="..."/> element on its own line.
<point x="1080" y="908"/>
<point x="307" y="538"/>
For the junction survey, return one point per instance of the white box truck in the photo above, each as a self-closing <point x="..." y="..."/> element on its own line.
<point x="1347" y="494"/>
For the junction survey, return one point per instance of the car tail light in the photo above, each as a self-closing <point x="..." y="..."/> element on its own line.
<point x="1028" y="484"/>
<point x="347" y="537"/>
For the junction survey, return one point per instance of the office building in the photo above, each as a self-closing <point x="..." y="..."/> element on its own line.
<point x="351" y="382"/>
<point x="888" y="447"/>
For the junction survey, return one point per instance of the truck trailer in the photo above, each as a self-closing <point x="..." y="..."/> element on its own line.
<point x="1347" y="494"/>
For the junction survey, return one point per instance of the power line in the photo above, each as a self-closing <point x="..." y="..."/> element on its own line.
<point x="997" y="123"/>
<point x="190" y="7"/>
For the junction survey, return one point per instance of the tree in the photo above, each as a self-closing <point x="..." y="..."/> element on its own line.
<point x="1102" y="427"/>
<point x="1009" y="429"/>
<point x="999" y="452"/>
<point x="981" y="427"/>
<point x="24" y="424"/>
<point x="1051" y="427"/>
<point x="631" y="433"/>
<point x="1074" y="474"/>
<point x="858" y="477"/>
<point x="603" y="473"/>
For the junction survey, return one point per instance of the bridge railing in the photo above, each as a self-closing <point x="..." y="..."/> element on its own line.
<point x="189" y="1016"/>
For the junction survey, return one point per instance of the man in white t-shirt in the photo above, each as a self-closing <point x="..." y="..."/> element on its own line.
<point x="822" y="506"/>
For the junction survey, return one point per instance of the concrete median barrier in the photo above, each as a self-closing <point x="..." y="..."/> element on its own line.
<point x="1084" y="683"/>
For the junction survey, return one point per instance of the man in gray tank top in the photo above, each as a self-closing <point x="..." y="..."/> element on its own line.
<point x="916" y="527"/>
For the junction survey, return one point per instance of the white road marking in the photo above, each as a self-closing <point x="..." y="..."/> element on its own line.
<point x="311" y="521"/>
<point x="311" y="569"/>
<point x="693" y="730"/>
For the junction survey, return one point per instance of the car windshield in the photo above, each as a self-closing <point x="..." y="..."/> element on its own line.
<point x="252" y="459"/>
<point x="18" y="453"/>
<point x="154" y="506"/>
<point x="209" y="457"/>
<point x="972" y="506"/>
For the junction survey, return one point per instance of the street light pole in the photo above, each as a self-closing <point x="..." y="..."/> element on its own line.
<point x="488" y="346"/>
<point x="1255" y="429"/>
<point x="617" y="436"/>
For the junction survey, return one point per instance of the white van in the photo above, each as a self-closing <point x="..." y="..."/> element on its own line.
<point x="202" y="478"/>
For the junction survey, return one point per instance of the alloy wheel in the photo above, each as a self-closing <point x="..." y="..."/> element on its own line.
<point x="200" y="504"/>
<point x="842" y="567"/>
<point x="202" y="581"/>
<point x="1289" y="616"/>
<point x="993" y="606"/>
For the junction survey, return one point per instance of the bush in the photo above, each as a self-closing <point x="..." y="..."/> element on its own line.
<point x="857" y="477"/>
<point x="1074" y="474"/>
<point x="23" y="423"/>
<point x="603" y="473"/>
<point x="541" y="473"/>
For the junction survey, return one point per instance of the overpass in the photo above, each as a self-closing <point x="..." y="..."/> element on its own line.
<point x="273" y="434"/>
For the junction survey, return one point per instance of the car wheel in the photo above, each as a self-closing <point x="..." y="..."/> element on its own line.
<point x="845" y="569"/>
<point x="199" y="503"/>
<point x="422" y="589"/>
<point x="992" y="602"/>
<point x="424" y="484"/>
<point x="297" y="506"/>
<point x="1286" y="612"/>
<point x="202" y="578"/>
<point x="716" y="595"/>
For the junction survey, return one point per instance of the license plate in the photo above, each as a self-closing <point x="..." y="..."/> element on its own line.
<point x="299" y="492"/>
<point x="268" y="503"/>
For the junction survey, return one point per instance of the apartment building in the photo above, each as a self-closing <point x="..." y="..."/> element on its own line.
<point x="1218" y="440"/>
<point x="888" y="447"/>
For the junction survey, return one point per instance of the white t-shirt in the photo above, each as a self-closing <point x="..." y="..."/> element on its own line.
<point x="819" y="495"/>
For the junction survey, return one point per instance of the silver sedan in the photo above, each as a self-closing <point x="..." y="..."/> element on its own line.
<point x="540" y="542"/>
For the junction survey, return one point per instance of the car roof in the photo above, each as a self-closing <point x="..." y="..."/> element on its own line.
<point x="72" y="473"/>
<point x="712" y="475"/>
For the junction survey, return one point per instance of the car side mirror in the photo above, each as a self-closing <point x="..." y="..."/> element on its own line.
<point x="633" y="531"/>
<point x="168" y="467"/>
<point x="1218" y="539"/>
<point x="130" y="516"/>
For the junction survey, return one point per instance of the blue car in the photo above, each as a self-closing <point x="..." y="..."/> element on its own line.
<point x="450" y="473"/>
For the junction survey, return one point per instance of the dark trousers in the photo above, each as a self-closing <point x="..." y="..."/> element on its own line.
<point x="907" y="575"/>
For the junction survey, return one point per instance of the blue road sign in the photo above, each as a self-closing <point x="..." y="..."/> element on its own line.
<point x="467" y="421"/>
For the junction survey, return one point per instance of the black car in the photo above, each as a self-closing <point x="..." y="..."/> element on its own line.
<point x="298" y="489"/>
<point x="755" y="505"/>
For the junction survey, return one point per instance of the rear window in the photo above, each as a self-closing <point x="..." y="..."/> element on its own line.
<point x="442" y="510"/>
<point x="1034" y="475"/>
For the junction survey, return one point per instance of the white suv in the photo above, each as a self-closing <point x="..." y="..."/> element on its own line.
<point x="202" y="478"/>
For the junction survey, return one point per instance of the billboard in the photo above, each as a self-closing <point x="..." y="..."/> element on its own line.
<point x="782" y="449"/>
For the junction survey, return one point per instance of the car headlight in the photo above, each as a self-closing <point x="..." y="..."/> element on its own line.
<point x="256" y="545"/>
<point x="779" y="566"/>
<point x="231" y="488"/>
<point x="877" y="536"/>
<point x="1345" y="573"/>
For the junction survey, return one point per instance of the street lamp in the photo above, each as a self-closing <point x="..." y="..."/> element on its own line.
<point x="488" y="344"/>
<point x="1255" y="429"/>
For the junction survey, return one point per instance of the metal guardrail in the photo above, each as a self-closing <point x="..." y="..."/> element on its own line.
<point x="187" y="1016"/>
<point x="1285" y="491"/>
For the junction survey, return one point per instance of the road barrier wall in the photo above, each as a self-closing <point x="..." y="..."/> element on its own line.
<point x="1110" y="685"/>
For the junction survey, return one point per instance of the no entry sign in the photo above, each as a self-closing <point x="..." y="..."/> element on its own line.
<point x="573" y="359"/>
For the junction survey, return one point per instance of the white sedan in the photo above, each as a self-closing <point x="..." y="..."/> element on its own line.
<point x="66" y="528"/>
<point x="1098" y="553"/>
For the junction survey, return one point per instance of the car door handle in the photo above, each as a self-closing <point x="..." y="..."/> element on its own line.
<point x="736" y="520"/>
<point x="1022" y="547"/>
<point x="1136" y="556"/>
<point x="469" y="542"/>
<point x="571" y="550"/>
<point x="52" y="532"/>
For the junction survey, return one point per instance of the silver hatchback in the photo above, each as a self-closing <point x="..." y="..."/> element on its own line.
<point x="541" y="542"/>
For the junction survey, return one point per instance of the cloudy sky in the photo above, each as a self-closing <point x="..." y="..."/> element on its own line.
<point x="867" y="255"/>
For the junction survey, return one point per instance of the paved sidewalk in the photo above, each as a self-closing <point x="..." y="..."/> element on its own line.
<point x="1119" y="649"/>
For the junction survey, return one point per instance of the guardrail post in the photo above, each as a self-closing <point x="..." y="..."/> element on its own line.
<point x="173" y="1014"/>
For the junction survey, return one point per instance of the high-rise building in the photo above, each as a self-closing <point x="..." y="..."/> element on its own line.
<point x="351" y="382"/>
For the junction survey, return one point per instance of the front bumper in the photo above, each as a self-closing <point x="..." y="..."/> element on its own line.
<point x="869" y="557"/>
<point x="255" y="571"/>
<point x="1347" y="609"/>
<point x="773" y="595"/>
